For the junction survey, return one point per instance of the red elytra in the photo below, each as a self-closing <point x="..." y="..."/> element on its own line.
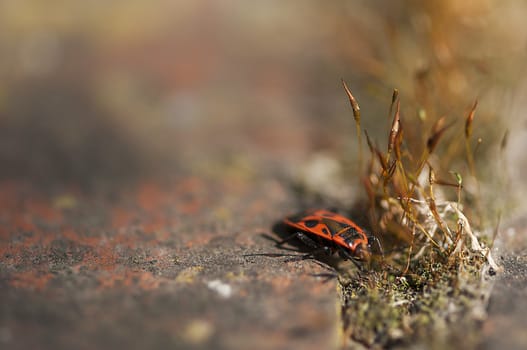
<point x="333" y="231"/>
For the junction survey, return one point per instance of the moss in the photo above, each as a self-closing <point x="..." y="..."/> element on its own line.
<point x="432" y="287"/>
<point x="389" y="308"/>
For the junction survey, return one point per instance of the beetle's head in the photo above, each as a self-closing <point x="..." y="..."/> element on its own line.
<point x="362" y="251"/>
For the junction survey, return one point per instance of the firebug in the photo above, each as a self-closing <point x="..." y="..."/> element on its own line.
<point x="330" y="232"/>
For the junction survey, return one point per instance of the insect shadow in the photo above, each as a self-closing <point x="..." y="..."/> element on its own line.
<point x="293" y="249"/>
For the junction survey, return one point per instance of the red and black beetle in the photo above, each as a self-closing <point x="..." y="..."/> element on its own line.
<point x="331" y="232"/>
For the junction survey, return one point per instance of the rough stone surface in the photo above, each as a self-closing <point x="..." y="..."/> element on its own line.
<point x="507" y="312"/>
<point x="157" y="266"/>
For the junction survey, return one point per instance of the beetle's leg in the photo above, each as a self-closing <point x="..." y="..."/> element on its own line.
<point x="317" y="248"/>
<point x="343" y="253"/>
<point x="313" y="244"/>
<point x="307" y="241"/>
<point x="311" y="254"/>
<point x="287" y="239"/>
<point x="302" y="237"/>
<point x="346" y="255"/>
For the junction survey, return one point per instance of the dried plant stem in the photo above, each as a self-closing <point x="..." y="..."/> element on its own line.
<point x="423" y="230"/>
<point x="410" y="249"/>
<point x="356" y="116"/>
<point x="468" y="133"/>
<point x="475" y="245"/>
<point x="470" y="158"/>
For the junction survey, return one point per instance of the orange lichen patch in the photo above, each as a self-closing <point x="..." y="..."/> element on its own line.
<point x="189" y="184"/>
<point x="190" y="207"/>
<point x="123" y="239"/>
<point x="42" y="209"/>
<point x="10" y="255"/>
<point x="163" y="235"/>
<point x="146" y="280"/>
<point x="21" y="222"/>
<point x="257" y="207"/>
<point x="143" y="280"/>
<point x="150" y="196"/>
<point x="154" y="223"/>
<point x="281" y="283"/>
<point x="151" y="222"/>
<point x="70" y="234"/>
<point x="12" y="252"/>
<point x="122" y="218"/>
<point x="19" y="213"/>
<point x="199" y="240"/>
<point x="37" y="238"/>
<point x="130" y="239"/>
<point x="101" y="258"/>
<point x="35" y="280"/>
<point x="320" y="288"/>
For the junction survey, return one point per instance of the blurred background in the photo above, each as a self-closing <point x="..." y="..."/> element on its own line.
<point x="115" y="90"/>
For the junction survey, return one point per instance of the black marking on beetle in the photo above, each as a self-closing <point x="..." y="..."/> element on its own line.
<point x="350" y="235"/>
<point x="311" y="223"/>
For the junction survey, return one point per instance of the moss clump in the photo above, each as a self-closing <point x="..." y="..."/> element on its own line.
<point x="390" y="308"/>
<point x="431" y="286"/>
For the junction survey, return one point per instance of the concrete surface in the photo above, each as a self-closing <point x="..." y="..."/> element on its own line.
<point x="507" y="311"/>
<point x="156" y="266"/>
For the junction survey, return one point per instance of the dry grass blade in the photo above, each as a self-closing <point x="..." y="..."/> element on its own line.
<point x="470" y="119"/>
<point x="459" y="182"/>
<point x="395" y="97"/>
<point x="398" y="143"/>
<point x="372" y="152"/>
<point x="394" y="130"/>
<point x="439" y="221"/>
<point x="447" y="183"/>
<point x="382" y="159"/>
<point x="475" y="245"/>
<point x="400" y="231"/>
<point x="494" y="234"/>
<point x="391" y="171"/>
<point x="468" y="133"/>
<point x="356" y="115"/>
<point x="504" y="140"/>
<point x="368" y="140"/>
<point x="421" y="228"/>
<point x="437" y="132"/>
<point x="433" y="208"/>
<point x="354" y="103"/>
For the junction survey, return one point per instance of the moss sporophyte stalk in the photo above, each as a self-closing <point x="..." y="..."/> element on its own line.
<point x="437" y="267"/>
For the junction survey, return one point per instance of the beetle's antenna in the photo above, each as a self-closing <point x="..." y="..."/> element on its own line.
<point x="378" y="244"/>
